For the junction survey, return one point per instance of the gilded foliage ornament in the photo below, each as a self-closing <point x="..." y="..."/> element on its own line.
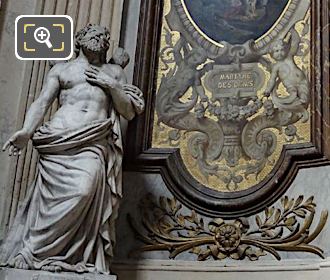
<point x="284" y="228"/>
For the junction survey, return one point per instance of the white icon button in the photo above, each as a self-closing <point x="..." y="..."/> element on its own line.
<point x="42" y="35"/>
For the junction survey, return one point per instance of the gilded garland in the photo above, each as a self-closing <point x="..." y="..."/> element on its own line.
<point x="284" y="228"/>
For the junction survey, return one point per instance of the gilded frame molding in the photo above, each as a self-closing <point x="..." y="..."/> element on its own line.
<point x="215" y="47"/>
<point x="167" y="162"/>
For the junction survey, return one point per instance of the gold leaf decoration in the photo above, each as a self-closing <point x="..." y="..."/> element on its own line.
<point x="164" y="227"/>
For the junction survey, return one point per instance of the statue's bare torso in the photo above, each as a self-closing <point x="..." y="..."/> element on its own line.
<point x="81" y="102"/>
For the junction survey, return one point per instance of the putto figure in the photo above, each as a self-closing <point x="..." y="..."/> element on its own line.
<point x="285" y="70"/>
<point x="67" y="220"/>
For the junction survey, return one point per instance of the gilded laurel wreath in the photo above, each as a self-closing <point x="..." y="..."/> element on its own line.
<point x="287" y="228"/>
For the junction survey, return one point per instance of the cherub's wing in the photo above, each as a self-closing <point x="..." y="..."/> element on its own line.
<point x="294" y="41"/>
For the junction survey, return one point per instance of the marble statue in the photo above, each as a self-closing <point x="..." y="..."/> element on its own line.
<point x="66" y="222"/>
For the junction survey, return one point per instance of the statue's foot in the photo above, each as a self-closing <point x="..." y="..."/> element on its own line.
<point x="51" y="268"/>
<point x="81" y="268"/>
<point x="19" y="262"/>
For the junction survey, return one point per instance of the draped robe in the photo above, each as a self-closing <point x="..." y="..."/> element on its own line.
<point x="67" y="218"/>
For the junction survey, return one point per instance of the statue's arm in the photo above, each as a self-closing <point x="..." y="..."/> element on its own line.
<point x="39" y="107"/>
<point x="272" y="81"/>
<point x="199" y="89"/>
<point x="35" y="114"/>
<point x="127" y="99"/>
<point x="177" y="50"/>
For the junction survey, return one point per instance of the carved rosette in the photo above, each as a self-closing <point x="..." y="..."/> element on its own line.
<point x="284" y="228"/>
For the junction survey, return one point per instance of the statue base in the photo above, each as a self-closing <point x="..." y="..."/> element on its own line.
<point x="20" y="274"/>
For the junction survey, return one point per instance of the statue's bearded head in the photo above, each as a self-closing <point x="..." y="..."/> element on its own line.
<point x="93" y="38"/>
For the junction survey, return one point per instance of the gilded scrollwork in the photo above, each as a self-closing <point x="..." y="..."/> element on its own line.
<point x="165" y="227"/>
<point x="176" y="113"/>
<point x="229" y="109"/>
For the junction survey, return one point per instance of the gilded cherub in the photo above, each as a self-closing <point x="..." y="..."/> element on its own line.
<point x="285" y="70"/>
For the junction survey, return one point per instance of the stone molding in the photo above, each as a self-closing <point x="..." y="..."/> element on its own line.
<point x="164" y="270"/>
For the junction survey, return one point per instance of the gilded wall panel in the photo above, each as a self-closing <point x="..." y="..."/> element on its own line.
<point x="233" y="87"/>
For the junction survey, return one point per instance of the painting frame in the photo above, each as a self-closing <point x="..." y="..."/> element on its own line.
<point x="215" y="47"/>
<point x="141" y="157"/>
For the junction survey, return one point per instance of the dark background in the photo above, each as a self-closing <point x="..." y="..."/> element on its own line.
<point x="226" y="20"/>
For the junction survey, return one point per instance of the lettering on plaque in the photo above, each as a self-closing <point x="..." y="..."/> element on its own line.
<point x="230" y="80"/>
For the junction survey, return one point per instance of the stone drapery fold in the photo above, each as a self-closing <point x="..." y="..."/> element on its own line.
<point x="67" y="218"/>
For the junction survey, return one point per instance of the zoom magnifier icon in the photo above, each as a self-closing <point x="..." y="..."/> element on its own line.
<point x="42" y="35"/>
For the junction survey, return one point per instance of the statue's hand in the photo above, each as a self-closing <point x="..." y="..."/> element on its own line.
<point x="17" y="142"/>
<point x="101" y="78"/>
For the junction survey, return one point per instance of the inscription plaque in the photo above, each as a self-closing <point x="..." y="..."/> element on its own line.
<point x="231" y="81"/>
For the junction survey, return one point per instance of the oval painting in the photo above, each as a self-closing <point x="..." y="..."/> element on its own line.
<point x="234" y="21"/>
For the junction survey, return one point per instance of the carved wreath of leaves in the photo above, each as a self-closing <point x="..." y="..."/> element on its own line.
<point x="287" y="228"/>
